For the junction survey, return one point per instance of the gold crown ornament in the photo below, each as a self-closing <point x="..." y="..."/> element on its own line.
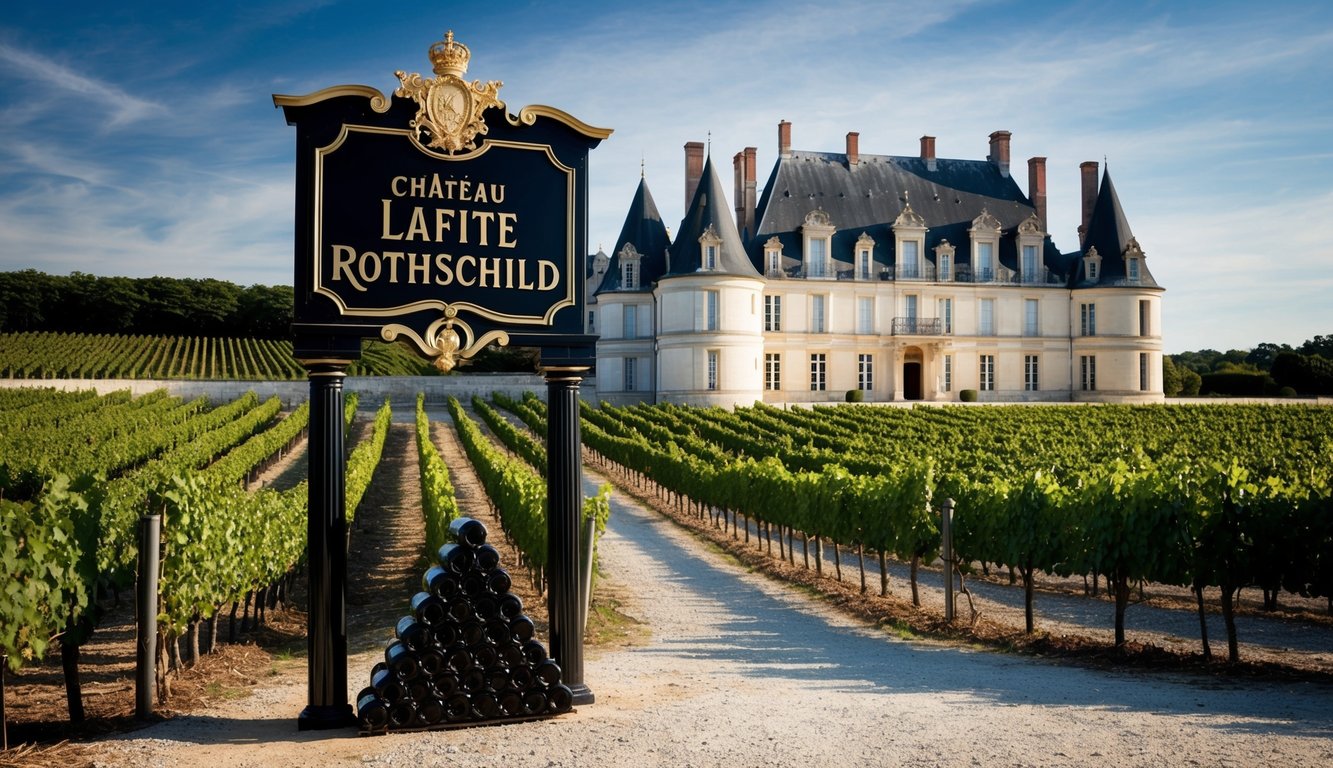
<point x="449" y="57"/>
<point x="449" y="109"/>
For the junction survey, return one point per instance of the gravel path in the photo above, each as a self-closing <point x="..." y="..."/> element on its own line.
<point x="740" y="671"/>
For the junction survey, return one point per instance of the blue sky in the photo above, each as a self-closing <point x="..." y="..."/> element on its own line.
<point x="140" y="138"/>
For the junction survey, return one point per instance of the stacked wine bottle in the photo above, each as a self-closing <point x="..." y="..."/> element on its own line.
<point x="466" y="654"/>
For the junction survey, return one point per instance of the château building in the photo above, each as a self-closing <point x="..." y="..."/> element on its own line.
<point x="909" y="278"/>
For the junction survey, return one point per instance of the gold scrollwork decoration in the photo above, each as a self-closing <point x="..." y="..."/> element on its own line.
<point x="442" y="341"/>
<point x="449" y="109"/>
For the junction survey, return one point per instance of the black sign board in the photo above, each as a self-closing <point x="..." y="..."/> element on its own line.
<point x="436" y="217"/>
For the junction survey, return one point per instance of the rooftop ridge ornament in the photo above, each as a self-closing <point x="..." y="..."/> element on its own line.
<point x="449" y="109"/>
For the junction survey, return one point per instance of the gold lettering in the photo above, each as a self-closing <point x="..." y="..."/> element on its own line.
<point x="497" y="193"/>
<point x="507" y="221"/>
<point x="384" y="232"/>
<point x="396" y="186"/>
<point x="485" y="217"/>
<point x="450" y="185"/>
<point x="493" y="272"/>
<point x="393" y="258"/>
<point x="443" y="266"/>
<point x="509" y="273"/>
<point x="469" y="282"/>
<point x="549" y="276"/>
<point x="435" y="186"/>
<point x="374" y="260"/>
<point x="343" y="256"/>
<point x="480" y="195"/>
<point x="418" y="187"/>
<point x="416" y="228"/>
<point x="523" y="283"/>
<point x="442" y="222"/>
<point x="463" y="189"/>
<point x="462" y="227"/>
<point x="415" y="267"/>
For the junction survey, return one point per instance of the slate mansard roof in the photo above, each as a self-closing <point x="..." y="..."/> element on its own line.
<point x="867" y="197"/>
<point x="643" y="229"/>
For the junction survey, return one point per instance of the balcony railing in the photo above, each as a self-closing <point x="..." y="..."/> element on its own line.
<point x="927" y="272"/>
<point x="918" y="326"/>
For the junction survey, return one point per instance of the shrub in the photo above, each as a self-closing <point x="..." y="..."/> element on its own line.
<point x="1238" y="384"/>
<point x="1286" y="392"/>
<point x="968" y="395"/>
<point x="855" y="395"/>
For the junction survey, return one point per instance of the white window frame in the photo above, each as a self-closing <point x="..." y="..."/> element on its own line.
<point x="629" y="274"/>
<point x="986" y="317"/>
<point x="986" y="373"/>
<point x="1088" y="373"/>
<point x="1031" y="317"/>
<point x="865" y="372"/>
<point x="818" y="372"/>
<point x="1087" y="319"/>
<point x="772" y="371"/>
<point x="865" y="314"/>
<point x="819" y="313"/>
<point x="713" y="356"/>
<point x="945" y="309"/>
<point x="947" y="384"/>
<point x="773" y="312"/>
<point x="1031" y="373"/>
<point x="1145" y="377"/>
<point x="629" y="321"/>
<point x="711" y="310"/>
<point x="630" y="371"/>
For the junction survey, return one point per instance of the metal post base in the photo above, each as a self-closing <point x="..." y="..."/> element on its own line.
<point x="325" y="717"/>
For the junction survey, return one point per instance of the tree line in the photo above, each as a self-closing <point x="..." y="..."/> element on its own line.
<point x="1264" y="371"/>
<point x="82" y="303"/>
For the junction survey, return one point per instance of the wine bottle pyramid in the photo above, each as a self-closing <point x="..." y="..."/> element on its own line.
<point x="466" y="653"/>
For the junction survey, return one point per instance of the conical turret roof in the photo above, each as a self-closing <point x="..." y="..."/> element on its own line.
<point x="708" y="213"/>
<point x="645" y="232"/>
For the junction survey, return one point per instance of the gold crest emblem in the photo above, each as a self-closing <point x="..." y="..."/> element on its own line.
<point x="449" y="109"/>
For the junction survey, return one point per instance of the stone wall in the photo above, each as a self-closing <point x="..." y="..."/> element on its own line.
<point x="402" y="390"/>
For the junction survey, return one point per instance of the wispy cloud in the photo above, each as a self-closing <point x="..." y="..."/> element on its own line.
<point x="123" y="108"/>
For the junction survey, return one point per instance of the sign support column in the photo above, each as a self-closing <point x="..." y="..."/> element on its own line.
<point x="564" y="507"/>
<point x="327" y="705"/>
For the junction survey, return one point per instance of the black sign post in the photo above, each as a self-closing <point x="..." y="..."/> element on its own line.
<point x="437" y="218"/>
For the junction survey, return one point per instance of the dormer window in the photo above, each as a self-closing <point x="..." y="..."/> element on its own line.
<point x="944" y="255"/>
<point x="629" y="268"/>
<point x="1030" y="238"/>
<point x="818" y="232"/>
<point x="1133" y="260"/>
<point x="985" y="236"/>
<point x="1092" y="264"/>
<point x="909" y="232"/>
<point x="710" y="244"/>
<point x="773" y="257"/>
<point x="865" y="246"/>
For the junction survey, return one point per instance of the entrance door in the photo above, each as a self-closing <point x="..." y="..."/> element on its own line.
<point x="911" y="381"/>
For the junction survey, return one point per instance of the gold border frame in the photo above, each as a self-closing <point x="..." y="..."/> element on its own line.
<point x="570" y="297"/>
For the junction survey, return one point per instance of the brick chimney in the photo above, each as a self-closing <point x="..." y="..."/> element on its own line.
<point x="738" y="190"/>
<point x="853" y="148"/>
<point x="744" y="163"/>
<point x="999" y="151"/>
<point x="1037" y="187"/>
<point x="784" y="139"/>
<point x="694" y="169"/>
<point x="928" y="151"/>
<point x="1088" y="170"/>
